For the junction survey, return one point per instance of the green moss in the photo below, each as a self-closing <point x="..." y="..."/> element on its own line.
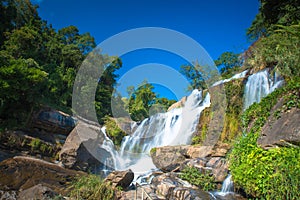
<point x="153" y="150"/>
<point x="114" y="132"/>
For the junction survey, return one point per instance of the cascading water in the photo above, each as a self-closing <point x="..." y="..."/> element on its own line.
<point x="171" y="128"/>
<point x="260" y="85"/>
<point x="236" y="76"/>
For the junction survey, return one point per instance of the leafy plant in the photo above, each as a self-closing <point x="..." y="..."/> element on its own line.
<point x="266" y="174"/>
<point x="203" y="180"/>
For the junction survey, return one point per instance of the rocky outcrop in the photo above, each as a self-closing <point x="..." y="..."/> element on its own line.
<point x="21" y="173"/>
<point x="209" y="159"/>
<point x="282" y="131"/>
<point x="169" y="158"/>
<point x="82" y="149"/>
<point x="178" y="104"/>
<point x="52" y="121"/>
<point x="120" y="178"/>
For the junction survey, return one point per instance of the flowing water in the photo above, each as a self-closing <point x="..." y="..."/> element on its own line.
<point x="176" y="127"/>
<point x="259" y="85"/>
<point x="170" y="128"/>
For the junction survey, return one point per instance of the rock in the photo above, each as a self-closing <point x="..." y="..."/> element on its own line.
<point x="21" y="173"/>
<point x="169" y="158"/>
<point x="199" y="151"/>
<point x="52" y="121"/>
<point x="82" y="149"/>
<point x="8" y="195"/>
<point x="120" y="178"/>
<point x="38" y="192"/>
<point x="169" y="186"/>
<point x="182" y="193"/>
<point x="178" y="104"/>
<point x="281" y="131"/>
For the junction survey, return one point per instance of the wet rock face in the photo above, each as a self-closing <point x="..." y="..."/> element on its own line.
<point x="120" y="178"/>
<point x="21" y="173"/>
<point x="285" y="129"/>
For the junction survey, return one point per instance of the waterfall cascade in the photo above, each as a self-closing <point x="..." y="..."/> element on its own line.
<point x="260" y="85"/>
<point x="176" y="126"/>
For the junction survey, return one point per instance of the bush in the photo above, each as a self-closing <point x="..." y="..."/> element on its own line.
<point x="195" y="177"/>
<point x="265" y="174"/>
<point x="91" y="187"/>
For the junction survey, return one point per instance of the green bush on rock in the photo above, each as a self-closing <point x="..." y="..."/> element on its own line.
<point x="195" y="177"/>
<point x="266" y="174"/>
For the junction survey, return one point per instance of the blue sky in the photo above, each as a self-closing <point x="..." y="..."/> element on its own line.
<point x="217" y="25"/>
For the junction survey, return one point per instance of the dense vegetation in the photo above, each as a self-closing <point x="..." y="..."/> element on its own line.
<point x="272" y="173"/>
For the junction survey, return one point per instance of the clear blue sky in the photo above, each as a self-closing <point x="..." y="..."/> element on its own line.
<point x="217" y="25"/>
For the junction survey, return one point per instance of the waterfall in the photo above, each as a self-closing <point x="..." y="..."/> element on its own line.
<point x="174" y="127"/>
<point x="260" y="85"/>
<point x="227" y="185"/>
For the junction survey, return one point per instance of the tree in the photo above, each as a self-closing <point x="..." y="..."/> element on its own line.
<point x="194" y="75"/>
<point x="227" y="61"/>
<point x="21" y="84"/>
<point x="272" y="12"/>
<point x="140" y="101"/>
<point x="15" y="14"/>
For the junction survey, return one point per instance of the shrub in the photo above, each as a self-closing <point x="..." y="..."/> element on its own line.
<point x="195" y="177"/>
<point x="266" y="174"/>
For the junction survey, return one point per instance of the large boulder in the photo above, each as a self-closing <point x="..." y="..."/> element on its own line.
<point x="169" y="158"/>
<point x="282" y="131"/>
<point x="21" y="173"/>
<point x="120" y="178"/>
<point x="82" y="149"/>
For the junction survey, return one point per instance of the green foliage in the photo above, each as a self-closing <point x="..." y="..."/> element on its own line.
<point x="114" y="132"/>
<point x="194" y="75"/>
<point x="144" y="102"/>
<point x="265" y="174"/>
<point x="228" y="62"/>
<point x="280" y="50"/>
<point x="273" y="173"/>
<point x="272" y="12"/>
<point x="91" y="187"/>
<point x="202" y="180"/>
